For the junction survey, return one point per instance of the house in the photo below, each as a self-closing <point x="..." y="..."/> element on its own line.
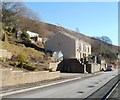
<point x="70" y="46"/>
<point x="34" y="37"/>
<point x="73" y="50"/>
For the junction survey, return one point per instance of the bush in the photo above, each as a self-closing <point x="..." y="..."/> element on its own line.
<point x="26" y="66"/>
<point x="29" y="67"/>
<point x="48" y="69"/>
<point x="14" y="30"/>
<point x="8" y="28"/>
<point x="16" y="64"/>
<point x="5" y="39"/>
<point x="25" y="36"/>
<point x="2" y="31"/>
<point x="22" y="63"/>
<point x="22" y="58"/>
<point x="3" y="59"/>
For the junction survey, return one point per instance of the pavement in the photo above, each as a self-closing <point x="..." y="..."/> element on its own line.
<point x="81" y="87"/>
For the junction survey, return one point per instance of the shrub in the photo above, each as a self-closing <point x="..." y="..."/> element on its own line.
<point x="5" y="39"/>
<point x="2" y="31"/>
<point x="29" y="67"/>
<point x="22" y="63"/>
<point x="14" y="30"/>
<point x="22" y="58"/>
<point x="48" y="69"/>
<point x="25" y="36"/>
<point x="3" y="59"/>
<point x="15" y="64"/>
<point x="8" y="28"/>
<point x="26" y="66"/>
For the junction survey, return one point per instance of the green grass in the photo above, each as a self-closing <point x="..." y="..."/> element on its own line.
<point x="16" y="50"/>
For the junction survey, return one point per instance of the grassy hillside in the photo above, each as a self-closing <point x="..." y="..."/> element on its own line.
<point x="16" y="50"/>
<point x="47" y="30"/>
<point x="28" y="56"/>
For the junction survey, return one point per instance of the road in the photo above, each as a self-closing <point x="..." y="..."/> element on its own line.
<point x="81" y="88"/>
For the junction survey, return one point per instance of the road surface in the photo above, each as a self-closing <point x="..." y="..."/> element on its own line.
<point x="81" y="88"/>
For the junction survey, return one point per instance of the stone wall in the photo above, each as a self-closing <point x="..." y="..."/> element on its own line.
<point x="95" y="68"/>
<point x="92" y="68"/>
<point x="10" y="78"/>
<point x="53" y="65"/>
<point x="5" y="53"/>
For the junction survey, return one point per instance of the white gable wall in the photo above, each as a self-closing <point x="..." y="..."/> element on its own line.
<point x="63" y="43"/>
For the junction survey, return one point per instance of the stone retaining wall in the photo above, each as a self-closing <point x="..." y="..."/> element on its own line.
<point x="92" y="68"/>
<point x="10" y="78"/>
<point x="95" y="68"/>
<point x="5" y="53"/>
<point x="53" y="65"/>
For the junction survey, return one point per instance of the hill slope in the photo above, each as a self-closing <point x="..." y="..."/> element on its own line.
<point x="46" y="30"/>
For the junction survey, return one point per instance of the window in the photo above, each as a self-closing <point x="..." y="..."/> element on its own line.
<point x="80" y="47"/>
<point x="84" y="48"/>
<point x="88" y="49"/>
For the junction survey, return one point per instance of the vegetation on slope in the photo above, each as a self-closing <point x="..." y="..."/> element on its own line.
<point x="16" y="50"/>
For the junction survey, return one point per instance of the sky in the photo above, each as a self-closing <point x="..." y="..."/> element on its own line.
<point x="91" y="18"/>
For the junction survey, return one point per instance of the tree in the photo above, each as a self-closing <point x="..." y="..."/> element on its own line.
<point x="104" y="39"/>
<point x="9" y="11"/>
<point x="29" y="13"/>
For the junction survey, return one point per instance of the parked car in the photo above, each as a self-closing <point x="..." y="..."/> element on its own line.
<point x="109" y="68"/>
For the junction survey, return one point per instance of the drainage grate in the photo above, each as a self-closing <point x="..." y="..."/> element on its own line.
<point x="80" y="92"/>
<point x="91" y="86"/>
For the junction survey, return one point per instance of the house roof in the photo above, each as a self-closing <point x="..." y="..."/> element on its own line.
<point x="75" y="37"/>
<point x="68" y="35"/>
<point x="72" y="36"/>
<point x="59" y="32"/>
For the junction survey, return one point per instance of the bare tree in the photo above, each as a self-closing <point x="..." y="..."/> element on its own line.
<point x="12" y="9"/>
<point x="9" y="11"/>
<point x="29" y="13"/>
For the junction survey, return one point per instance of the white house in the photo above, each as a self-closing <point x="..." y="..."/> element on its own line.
<point x="69" y="45"/>
<point x="34" y="36"/>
